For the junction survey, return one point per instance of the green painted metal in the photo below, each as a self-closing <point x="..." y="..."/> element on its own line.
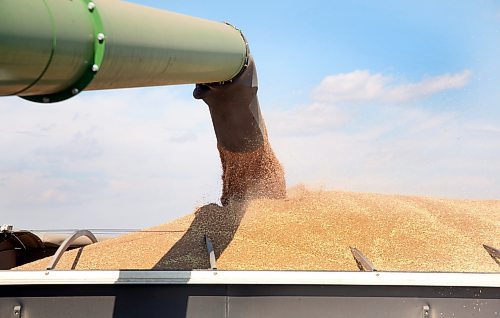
<point x="25" y="47"/>
<point x="88" y="72"/>
<point x="48" y="48"/>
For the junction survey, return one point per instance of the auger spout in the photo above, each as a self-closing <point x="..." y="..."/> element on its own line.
<point x="51" y="50"/>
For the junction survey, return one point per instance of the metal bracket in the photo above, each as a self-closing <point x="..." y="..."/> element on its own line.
<point x="362" y="261"/>
<point x="494" y="253"/>
<point x="66" y="244"/>
<point x="17" y="311"/>
<point x="6" y="228"/>
<point x="211" y="253"/>
<point x="426" y="311"/>
<point x="91" y="71"/>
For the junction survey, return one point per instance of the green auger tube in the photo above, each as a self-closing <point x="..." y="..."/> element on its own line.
<point x="50" y="50"/>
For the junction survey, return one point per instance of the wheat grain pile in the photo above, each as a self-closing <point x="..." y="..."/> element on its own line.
<point x="310" y="230"/>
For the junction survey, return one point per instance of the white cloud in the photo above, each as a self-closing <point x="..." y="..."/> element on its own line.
<point x="183" y="137"/>
<point x="412" y="151"/>
<point x="103" y="159"/>
<point x="52" y="195"/>
<point x="337" y="142"/>
<point x="362" y="86"/>
<point x="132" y="158"/>
<point x="314" y="118"/>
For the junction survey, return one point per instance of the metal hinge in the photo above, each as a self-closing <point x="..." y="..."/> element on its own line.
<point x="494" y="253"/>
<point x="364" y="264"/>
<point x="211" y="253"/>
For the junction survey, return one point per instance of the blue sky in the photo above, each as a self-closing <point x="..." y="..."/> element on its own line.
<point x="297" y="44"/>
<point x="378" y="96"/>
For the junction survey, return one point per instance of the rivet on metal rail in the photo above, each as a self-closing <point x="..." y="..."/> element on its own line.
<point x="362" y="261"/>
<point x="17" y="311"/>
<point x="426" y="312"/>
<point x="211" y="253"/>
<point x="494" y="253"/>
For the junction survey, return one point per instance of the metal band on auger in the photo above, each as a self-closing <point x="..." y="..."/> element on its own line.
<point x="94" y="63"/>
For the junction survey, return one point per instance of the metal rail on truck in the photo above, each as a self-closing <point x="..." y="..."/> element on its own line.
<point x="250" y="294"/>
